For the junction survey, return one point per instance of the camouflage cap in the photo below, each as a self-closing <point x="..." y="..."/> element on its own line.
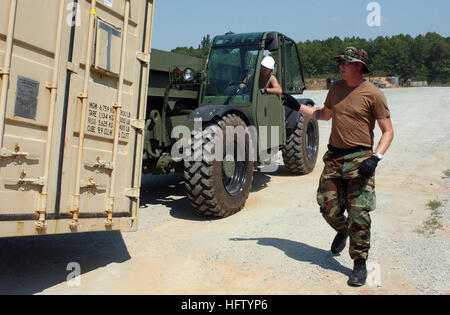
<point x="355" y="54"/>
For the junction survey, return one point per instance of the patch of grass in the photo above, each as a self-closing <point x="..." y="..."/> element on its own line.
<point x="446" y="173"/>
<point x="433" y="222"/>
<point x="433" y="205"/>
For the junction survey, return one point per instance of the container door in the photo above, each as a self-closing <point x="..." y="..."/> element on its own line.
<point x="100" y="175"/>
<point x="28" y="80"/>
<point x="73" y="85"/>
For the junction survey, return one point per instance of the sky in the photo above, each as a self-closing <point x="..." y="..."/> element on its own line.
<point x="185" y="22"/>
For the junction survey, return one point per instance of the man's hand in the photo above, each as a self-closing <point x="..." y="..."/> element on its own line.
<point x="291" y="102"/>
<point x="367" y="167"/>
<point x="263" y="91"/>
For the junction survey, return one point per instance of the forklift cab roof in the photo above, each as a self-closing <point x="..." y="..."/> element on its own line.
<point x="247" y="39"/>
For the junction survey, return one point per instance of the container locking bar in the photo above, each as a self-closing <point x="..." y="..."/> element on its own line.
<point x="110" y="200"/>
<point x="5" y="73"/>
<point x="38" y="181"/>
<point x="83" y="96"/>
<point x="99" y="163"/>
<point x="91" y="184"/>
<point x="6" y="153"/>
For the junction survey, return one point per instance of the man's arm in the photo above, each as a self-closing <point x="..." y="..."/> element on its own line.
<point x="316" y="113"/>
<point x="309" y="111"/>
<point x="387" y="136"/>
<point x="367" y="167"/>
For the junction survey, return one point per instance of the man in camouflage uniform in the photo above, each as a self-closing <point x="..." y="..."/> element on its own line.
<point x="348" y="178"/>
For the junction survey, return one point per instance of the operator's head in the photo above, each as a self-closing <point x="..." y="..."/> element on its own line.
<point x="354" y="56"/>
<point x="268" y="62"/>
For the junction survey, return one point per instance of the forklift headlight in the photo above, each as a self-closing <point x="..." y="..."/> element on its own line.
<point x="188" y="74"/>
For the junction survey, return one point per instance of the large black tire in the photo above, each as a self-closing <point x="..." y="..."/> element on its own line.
<point x="300" y="152"/>
<point x="215" y="187"/>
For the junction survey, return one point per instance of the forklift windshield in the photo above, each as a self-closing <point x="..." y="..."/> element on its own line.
<point x="231" y="69"/>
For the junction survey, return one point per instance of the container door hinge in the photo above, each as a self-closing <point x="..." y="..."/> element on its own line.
<point x="4" y="71"/>
<point x="138" y="124"/>
<point x="71" y="67"/>
<point x="143" y="57"/>
<point x="133" y="193"/>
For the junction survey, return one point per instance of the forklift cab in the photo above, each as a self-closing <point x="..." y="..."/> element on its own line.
<point x="235" y="59"/>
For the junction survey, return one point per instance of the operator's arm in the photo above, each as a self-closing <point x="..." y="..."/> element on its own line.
<point x="245" y="81"/>
<point x="387" y="136"/>
<point x="273" y="87"/>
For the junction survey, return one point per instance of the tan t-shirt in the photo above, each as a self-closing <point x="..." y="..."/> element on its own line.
<point x="355" y="111"/>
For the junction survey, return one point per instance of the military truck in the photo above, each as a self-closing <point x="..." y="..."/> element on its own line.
<point x="224" y="97"/>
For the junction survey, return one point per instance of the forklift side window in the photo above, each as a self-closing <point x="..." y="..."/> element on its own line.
<point x="294" y="78"/>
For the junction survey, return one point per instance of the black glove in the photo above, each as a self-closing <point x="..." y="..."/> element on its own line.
<point x="291" y="102"/>
<point x="367" y="167"/>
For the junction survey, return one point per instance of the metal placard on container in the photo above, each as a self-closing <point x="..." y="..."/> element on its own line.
<point x="107" y="47"/>
<point x="26" y="98"/>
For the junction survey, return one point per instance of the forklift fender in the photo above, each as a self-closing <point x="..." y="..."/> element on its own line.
<point x="209" y="113"/>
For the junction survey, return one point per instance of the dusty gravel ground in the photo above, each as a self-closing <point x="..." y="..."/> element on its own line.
<point x="279" y="243"/>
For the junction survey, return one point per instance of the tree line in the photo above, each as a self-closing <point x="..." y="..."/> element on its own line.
<point x="423" y="58"/>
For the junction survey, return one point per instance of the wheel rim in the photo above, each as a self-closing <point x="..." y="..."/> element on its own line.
<point x="234" y="174"/>
<point x="311" y="141"/>
<point x="229" y="166"/>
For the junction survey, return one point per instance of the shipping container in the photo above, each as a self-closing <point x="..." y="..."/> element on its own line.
<point x="73" y="93"/>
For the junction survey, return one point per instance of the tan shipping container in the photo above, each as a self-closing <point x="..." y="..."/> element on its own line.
<point x="73" y="87"/>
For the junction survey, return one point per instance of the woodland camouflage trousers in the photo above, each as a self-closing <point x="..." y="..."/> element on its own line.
<point x="342" y="188"/>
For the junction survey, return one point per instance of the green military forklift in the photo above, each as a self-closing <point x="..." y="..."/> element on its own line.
<point x="201" y="108"/>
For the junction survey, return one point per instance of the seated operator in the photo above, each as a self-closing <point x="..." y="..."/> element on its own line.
<point x="268" y="83"/>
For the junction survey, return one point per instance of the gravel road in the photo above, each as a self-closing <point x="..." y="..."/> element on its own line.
<point x="279" y="243"/>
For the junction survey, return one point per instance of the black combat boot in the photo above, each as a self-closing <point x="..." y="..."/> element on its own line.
<point x="339" y="242"/>
<point x="359" y="274"/>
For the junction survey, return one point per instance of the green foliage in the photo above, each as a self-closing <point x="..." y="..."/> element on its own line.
<point x="424" y="58"/>
<point x="421" y="58"/>
<point x="434" y="204"/>
<point x="433" y="221"/>
<point x="200" y="52"/>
